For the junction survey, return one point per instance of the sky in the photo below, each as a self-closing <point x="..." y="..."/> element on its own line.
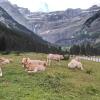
<point x="54" y="5"/>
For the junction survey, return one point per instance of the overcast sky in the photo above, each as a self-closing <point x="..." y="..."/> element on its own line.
<point x="54" y="5"/>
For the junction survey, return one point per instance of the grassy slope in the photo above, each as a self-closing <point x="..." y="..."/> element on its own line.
<point x="56" y="83"/>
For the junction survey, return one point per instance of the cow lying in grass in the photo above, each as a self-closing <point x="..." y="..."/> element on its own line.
<point x="75" y="63"/>
<point x="33" y="65"/>
<point x="40" y="62"/>
<point x="4" y="61"/>
<point x="56" y="57"/>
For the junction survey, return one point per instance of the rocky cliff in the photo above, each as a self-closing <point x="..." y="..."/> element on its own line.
<point x="14" y="13"/>
<point x="60" y="26"/>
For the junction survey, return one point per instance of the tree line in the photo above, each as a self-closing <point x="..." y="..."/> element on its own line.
<point x="84" y="49"/>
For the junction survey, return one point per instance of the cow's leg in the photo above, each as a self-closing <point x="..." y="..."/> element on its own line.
<point x="82" y="68"/>
<point x="49" y="62"/>
<point x="0" y="72"/>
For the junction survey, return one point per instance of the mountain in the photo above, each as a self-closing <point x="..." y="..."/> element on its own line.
<point x="14" y="13"/>
<point x="92" y="24"/>
<point x="60" y="26"/>
<point x="91" y="29"/>
<point x="14" y="36"/>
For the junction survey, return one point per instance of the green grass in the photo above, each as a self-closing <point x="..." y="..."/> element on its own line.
<point x="56" y="83"/>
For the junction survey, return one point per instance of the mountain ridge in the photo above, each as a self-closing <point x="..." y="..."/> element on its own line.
<point x="15" y="14"/>
<point x="14" y="36"/>
<point x="58" y="25"/>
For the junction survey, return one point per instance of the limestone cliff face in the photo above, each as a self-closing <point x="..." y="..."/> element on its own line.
<point x="59" y="25"/>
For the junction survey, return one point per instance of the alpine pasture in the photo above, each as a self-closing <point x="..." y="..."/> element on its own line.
<point x="56" y="83"/>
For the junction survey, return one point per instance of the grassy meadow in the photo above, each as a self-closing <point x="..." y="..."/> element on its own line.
<point x="56" y="83"/>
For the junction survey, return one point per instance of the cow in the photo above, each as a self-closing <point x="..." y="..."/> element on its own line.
<point x="40" y="62"/>
<point x="32" y="67"/>
<point x="55" y="57"/>
<point x="5" y="60"/>
<point x="75" y="64"/>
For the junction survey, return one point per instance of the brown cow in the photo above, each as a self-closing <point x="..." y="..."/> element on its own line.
<point x="40" y="62"/>
<point x="32" y="67"/>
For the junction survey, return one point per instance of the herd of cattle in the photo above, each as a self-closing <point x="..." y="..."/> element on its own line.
<point x="33" y="66"/>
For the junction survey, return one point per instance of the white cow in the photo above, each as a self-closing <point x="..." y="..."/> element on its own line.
<point x="0" y="72"/>
<point x="5" y="60"/>
<point x="56" y="57"/>
<point x="75" y="64"/>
